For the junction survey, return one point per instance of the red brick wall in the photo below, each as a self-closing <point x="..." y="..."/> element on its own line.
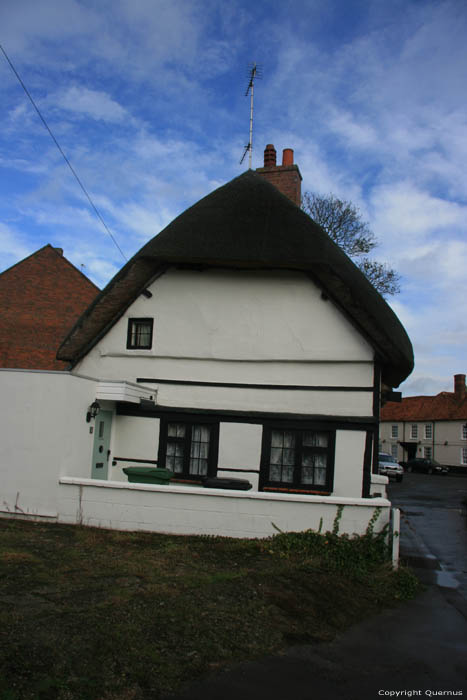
<point x="41" y="298"/>
<point x="287" y="179"/>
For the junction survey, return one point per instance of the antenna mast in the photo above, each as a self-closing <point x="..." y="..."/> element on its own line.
<point x="253" y="73"/>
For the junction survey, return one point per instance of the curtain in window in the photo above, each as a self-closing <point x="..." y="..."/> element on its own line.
<point x="199" y="451"/>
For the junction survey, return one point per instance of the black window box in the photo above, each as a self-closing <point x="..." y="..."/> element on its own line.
<point x="216" y="482"/>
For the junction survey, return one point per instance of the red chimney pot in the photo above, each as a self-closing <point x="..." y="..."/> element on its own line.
<point x="459" y="386"/>
<point x="270" y="156"/>
<point x="285" y="177"/>
<point x="287" y="156"/>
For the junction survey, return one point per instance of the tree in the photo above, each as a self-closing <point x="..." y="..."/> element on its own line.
<point x="343" y="223"/>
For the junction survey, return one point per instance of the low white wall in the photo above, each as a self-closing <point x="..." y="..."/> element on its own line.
<point x="44" y="435"/>
<point x="378" y="487"/>
<point x="199" y="511"/>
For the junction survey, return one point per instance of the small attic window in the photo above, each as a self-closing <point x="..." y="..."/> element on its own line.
<point x="139" y="333"/>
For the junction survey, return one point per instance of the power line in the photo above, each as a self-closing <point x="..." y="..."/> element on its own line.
<point x="61" y="151"/>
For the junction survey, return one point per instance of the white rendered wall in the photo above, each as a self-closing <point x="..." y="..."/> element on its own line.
<point x="242" y="327"/>
<point x="135" y="438"/>
<point x="348" y="466"/>
<point x="197" y="511"/>
<point x="44" y="435"/>
<point x="240" y="448"/>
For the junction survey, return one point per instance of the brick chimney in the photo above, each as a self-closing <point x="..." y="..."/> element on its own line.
<point x="285" y="177"/>
<point x="459" y="386"/>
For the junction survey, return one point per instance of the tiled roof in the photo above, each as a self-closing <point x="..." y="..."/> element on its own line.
<point x="443" y="406"/>
<point x="40" y="299"/>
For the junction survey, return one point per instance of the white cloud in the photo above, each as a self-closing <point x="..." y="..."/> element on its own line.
<point x="90" y="103"/>
<point x="11" y="245"/>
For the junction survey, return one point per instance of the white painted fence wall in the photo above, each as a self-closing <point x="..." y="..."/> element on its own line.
<point x="199" y="511"/>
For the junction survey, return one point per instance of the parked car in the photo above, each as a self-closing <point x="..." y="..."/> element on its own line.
<point x="422" y="464"/>
<point x="388" y="466"/>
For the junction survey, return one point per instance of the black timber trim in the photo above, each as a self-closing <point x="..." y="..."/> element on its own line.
<point x="134" y="459"/>
<point x="376" y="413"/>
<point x="241" y="385"/>
<point x="239" y="471"/>
<point x="256" y="417"/>
<point x="366" y="482"/>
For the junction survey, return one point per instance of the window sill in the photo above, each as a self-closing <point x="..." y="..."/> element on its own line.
<point x="304" y="491"/>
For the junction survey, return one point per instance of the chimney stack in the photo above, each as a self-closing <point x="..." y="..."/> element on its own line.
<point x="459" y="386"/>
<point x="285" y="177"/>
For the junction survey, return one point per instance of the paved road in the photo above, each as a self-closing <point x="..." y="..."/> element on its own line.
<point x="417" y="649"/>
<point x="434" y="527"/>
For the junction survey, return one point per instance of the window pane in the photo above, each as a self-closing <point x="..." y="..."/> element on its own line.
<point x="289" y="439"/>
<point x="320" y="477"/>
<point x="307" y="458"/>
<point x="312" y="439"/>
<point x="288" y="456"/>
<point x="307" y="475"/>
<point x="204" y="450"/>
<point x="321" y="460"/>
<point x="277" y="438"/>
<point x="276" y="455"/>
<point x="176" y="430"/>
<point x="274" y="473"/>
<point x="287" y="474"/>
<point x="313" y="468"/>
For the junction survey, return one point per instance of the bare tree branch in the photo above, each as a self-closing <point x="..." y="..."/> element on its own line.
<point x="342" y="221"/>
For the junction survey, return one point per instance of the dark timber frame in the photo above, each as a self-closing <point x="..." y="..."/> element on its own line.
<point x="266" y="484"/>
<point x="268" y="421"/>
<point x="133" y="332"/>
<point x="189" y="421"/>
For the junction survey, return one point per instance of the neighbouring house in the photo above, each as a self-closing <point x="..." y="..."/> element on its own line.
<point x="41" y="297"/>
<point x="428" y="426"/>
<point x="239" y="343"/>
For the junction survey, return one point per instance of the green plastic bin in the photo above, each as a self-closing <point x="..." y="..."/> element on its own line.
<point x="148" y="475"/>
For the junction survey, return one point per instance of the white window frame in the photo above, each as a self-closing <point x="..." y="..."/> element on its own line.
<point x="463" y="455"/>
<point x="394" y="431"/>
<point x="428" y="431"/>
<point x="428" y="452"/>
<point x="394" y="451"/>
<point x="464" y="431"/>
<point x="414" y="431"/>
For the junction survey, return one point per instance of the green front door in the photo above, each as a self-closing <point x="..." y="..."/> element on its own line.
<point x="101" y="451"/>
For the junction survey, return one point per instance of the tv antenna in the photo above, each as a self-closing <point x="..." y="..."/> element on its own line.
<point x="253" y="72"/>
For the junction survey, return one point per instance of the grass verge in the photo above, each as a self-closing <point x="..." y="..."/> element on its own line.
<point x="90" y="614"/>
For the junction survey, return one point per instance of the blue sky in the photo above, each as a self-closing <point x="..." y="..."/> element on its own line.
<point x="146" y="98"/>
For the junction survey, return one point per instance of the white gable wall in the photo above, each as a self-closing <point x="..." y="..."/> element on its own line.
<point x="216" y="329"/>
<point x="241" y="327"/>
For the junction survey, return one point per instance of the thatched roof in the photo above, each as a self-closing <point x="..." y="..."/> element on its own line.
<point x="248" y="223"/>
